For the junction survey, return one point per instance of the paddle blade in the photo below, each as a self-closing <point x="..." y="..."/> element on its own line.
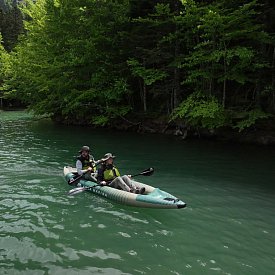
<point x="147" y="172"/>
<point x="75" y="191"/>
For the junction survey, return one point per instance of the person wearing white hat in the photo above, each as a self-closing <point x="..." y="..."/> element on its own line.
<point x="109" y="175"/>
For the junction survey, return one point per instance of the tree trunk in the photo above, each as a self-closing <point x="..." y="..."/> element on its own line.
<point x="176" y="86"/>
<point x="176" y="81"/>
<point x="273" y="80"/>
<point x="224" y="81"/>
<point x="144" y="98"/>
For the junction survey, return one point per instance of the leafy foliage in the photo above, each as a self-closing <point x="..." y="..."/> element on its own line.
<point x="69" y="71"/>
<point x="3" y="56"/>
<point x="199" y="110"/>
<point x="149" y="76"/>
<point x="250" y="118"/>
<point x="98" y="61"/>
<point x="11" y="24"/>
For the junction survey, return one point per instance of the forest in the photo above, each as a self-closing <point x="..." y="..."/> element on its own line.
<point x="192" y="64"/>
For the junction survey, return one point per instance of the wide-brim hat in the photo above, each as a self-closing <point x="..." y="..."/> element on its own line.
<point x="84" y="148"/>
<point x="108" y="156"/>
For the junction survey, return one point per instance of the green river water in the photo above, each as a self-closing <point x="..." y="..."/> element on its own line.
<point x="228" y="226"/>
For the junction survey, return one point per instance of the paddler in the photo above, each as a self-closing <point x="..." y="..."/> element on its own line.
<point x="108" y="174"/>
<point x="86" y="164"/>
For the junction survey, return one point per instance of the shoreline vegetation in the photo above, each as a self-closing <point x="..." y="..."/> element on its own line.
<point x="260" y="133"/>
<point x="190" y="68"/>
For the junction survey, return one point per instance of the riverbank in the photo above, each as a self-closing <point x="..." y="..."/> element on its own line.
<point x="262" y="133"/>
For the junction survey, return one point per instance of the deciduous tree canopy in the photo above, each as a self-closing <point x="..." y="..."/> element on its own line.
<point x="207" y="63"/>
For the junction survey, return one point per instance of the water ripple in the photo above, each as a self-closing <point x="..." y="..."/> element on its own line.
<point x="227" y="228"/>
<point x="25" y="250"/>
<point x="122" y="215"/>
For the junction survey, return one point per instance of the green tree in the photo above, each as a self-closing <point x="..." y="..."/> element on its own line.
<point x="226" y="55"/>
<point x="69" y="64"/>
<point x="11" y="24"/>
<point x="155" y="46"/>
<point x="147" y="77"/>
<point x="210" y="63"/>
<point x="3" y="55"/>
<point x="3" y="68"/>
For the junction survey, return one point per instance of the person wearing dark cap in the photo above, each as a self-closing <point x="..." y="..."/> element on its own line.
<point x="109" y="175"/>
<point x="86" y="164"/>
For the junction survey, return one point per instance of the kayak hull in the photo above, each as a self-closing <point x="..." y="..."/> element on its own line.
<point x="152" y="198"/>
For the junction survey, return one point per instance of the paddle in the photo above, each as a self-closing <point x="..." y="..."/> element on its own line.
<point x="146" y="172"/>
<point x="72" y="181"/>
<point x="81" y="189"/>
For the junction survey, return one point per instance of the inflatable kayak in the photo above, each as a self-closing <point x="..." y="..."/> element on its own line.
<point x="152" y="197"/>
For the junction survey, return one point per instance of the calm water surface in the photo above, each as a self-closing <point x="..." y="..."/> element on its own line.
<point x="228" y="226"/>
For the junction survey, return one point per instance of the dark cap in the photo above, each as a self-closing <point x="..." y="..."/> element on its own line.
<point x="84" y="148"/>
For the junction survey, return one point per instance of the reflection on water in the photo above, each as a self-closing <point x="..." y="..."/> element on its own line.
<point x="227" y="228"/>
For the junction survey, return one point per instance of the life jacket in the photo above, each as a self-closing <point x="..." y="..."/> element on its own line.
<point x="110" y="173"/>
<point x="87" y="162"/>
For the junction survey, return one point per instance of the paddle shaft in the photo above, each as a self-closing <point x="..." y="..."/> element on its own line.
<point x="79" y="177"/>
<point x="147" y="172"/>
